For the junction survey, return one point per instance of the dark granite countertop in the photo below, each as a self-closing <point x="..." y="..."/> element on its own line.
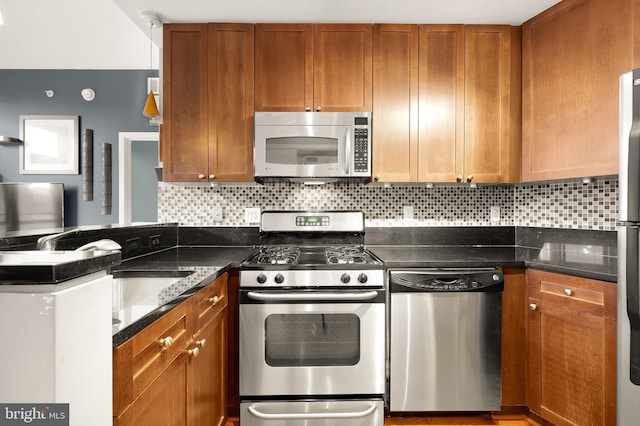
<point x="52" y="267"/>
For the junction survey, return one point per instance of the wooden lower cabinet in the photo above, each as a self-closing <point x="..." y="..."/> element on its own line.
<point x="571" y="349"/>
<point x="174" y="372"/>
<point x="210" y="373"/>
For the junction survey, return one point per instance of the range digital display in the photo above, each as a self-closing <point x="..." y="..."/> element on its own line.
<point x="312" y="220"/>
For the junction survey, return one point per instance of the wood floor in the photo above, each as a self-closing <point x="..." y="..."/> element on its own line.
<point x="496" y="419"/>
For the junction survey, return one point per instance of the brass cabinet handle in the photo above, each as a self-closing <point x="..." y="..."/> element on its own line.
<point x="469" y="178"/>
<point x="212" y="177"/>
<point x="165" y="342"/>
<point x="194" y="352"/>
<point x="318" y="108"/>
<point x="213" y="300"/>
<point x="201" y="176"/>
<point x="459" y="178"/>
<point x="533" y="306"/>
<point x="201" y="343"/>
<point x="568" y="292"/>
<point x="307" y="108"/>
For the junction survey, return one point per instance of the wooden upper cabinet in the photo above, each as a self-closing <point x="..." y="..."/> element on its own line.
<point x="442" y="143"/>
<point x="284" y="67"/>
<point x="231" y="99"/>
<point x="466" y="124"/>
<point x="395" y="103"/>
<point x="184" y="102"/>
<point x="491" y="122"/>
<point x="303" y="67"/>
<point x="208" y="92"/>
<point x="573" y="56"/>
<point x="342" y="67"/>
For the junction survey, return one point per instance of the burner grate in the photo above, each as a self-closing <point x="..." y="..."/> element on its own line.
<point x="278" y="255"/>
<point x="346" y="255"/>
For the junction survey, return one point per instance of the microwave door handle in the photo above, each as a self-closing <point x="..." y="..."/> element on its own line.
<point x="347" y="151"/>
<point x="299" y="416"/>
<point x="367" y="295"/>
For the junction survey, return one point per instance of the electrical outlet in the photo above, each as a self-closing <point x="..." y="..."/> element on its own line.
<point x="252" y="215"/>
<point x="155" y="240"/>
<point x="495" y="213"/>
<point x="408" y="212"/>
<point x="216" y="214"/>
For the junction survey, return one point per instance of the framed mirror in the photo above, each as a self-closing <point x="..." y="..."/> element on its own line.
<point x="50" y="144"/>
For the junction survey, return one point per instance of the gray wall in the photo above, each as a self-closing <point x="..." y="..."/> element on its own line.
<point x="120" y="97"/>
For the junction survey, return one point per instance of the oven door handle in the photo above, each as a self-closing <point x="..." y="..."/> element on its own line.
<point x="296" y="416"/>
<point x="367" y="295"/>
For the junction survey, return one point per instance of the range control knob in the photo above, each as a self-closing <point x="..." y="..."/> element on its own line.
<point x="363" y="278"/>
<point x="262" y="278"/>
<point x="279" y="278"/>
<point x="345" y="278"/>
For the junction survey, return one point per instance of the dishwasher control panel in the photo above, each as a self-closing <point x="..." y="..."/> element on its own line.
<point x="446" y="280"/>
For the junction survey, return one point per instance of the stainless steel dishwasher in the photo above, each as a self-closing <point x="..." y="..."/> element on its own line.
<point x="445" y="339"/>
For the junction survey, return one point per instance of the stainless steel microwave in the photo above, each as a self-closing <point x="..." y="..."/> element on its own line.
<point x="312" y="147"/>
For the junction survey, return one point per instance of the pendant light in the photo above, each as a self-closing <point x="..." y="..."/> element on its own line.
<point x="152" y="19"/>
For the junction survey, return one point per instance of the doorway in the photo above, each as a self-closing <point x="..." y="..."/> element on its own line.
<point x="138" y="184"/>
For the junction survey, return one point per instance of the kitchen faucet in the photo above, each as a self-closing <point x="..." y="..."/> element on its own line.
<point x="49" y="242"/>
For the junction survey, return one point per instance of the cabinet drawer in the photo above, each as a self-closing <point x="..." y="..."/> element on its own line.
<point x="581" y="294"/>
<point x="137" y="362"/>
<point x="209" y="301"/>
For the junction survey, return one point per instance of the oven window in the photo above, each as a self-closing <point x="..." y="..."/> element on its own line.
<point x="294" y="340"/>
<point x="302" y="151"/>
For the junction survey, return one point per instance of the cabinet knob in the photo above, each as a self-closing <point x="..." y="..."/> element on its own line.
<point x="318" y="108"/>
<point x="194" y="352"/>
<point x="201" y="343"/>
<point x="377" y="178"/>
<point x="469" y="178"/>
<point x="459" y="178"/>
<point x="201" y="176"/>
<point x="213" y="300"/>
<point x="165" y="342"/>
<point x="533" y="306"/>
<point x="212" y="177"/>
<point x="568" y="292"/>
<point x="307" y="108"/>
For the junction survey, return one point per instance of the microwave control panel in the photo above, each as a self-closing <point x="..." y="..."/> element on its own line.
<point x="361" y="150"/>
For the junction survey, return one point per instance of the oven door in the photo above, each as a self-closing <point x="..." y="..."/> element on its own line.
<point x="301" y="343"/>
<point x="313" y="413"/>
<point x="302" y="151"/>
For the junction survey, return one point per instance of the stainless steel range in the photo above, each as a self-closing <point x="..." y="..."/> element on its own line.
<point x="312" y="323"/>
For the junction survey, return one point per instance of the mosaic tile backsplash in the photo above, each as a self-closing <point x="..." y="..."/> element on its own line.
<point x="568" y="204"/>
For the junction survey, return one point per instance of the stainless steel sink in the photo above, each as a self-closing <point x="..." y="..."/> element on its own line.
<point x="136" y="294"/>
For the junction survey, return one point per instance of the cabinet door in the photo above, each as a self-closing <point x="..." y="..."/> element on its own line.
<point x="441" y="141"/>
<point x="342" y="67"/>
<point x="230" y="103"/>
<point x="571" y="349"/>
<point x="395" y="102"/>
<point x="164" y="402"/>
<point x="487" y="112"/>
<point x="284" y="67"/>
<point x="573" y="56"/>
<point x="210" y="373"/>
<point x="184" y="102"/>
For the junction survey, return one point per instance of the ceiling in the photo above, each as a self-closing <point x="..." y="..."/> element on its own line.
<point x="109" y="34"/>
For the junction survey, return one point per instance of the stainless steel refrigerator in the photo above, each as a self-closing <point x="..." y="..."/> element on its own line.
<point x="31" y="206"/>
<point x="628" y="361"/>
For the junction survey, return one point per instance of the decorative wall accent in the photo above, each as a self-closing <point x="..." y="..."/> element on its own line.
<point x="87" y="165"/>
<point x="558" y="205"/>
<point x="105" y="204"/>
<point x="50" y="144"/>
